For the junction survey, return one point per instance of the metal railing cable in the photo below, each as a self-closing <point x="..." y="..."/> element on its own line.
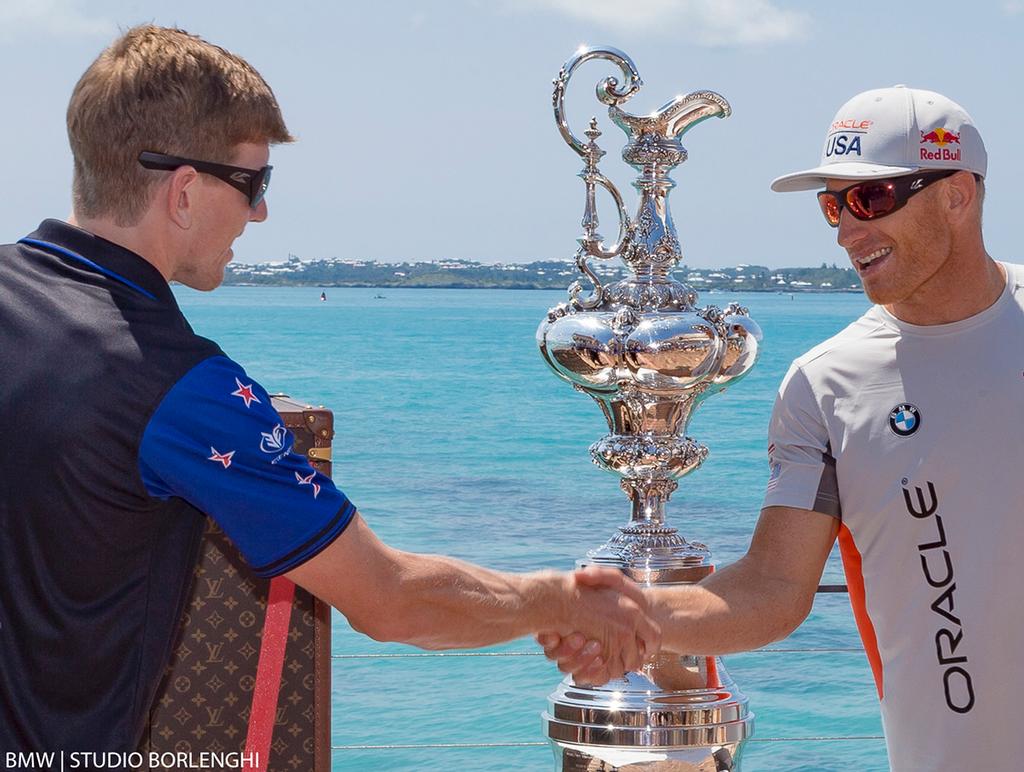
<point x="440" y="654"/>
<point x="542" y="744"/>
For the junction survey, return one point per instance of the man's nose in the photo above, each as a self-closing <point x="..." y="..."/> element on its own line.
<point x="851" y="230"/>
<point x="259" y="213"/>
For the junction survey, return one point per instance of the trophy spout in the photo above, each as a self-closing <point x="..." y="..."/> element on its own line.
<point x="674" y="118"/>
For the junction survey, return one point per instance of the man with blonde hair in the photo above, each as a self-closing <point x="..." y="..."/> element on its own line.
<point x="124" y="427"/>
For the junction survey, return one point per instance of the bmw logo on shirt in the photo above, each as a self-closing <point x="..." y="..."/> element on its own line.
<point x="904" y="420"/>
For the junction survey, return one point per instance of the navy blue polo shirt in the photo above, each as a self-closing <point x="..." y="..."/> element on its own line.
<point x="119" y="428"/>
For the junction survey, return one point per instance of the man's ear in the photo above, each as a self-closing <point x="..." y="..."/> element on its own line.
<point x="180" y="200"/>
<point x="962" y="193"/>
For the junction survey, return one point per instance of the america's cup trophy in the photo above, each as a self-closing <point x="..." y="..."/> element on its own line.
<point x="648" y="356"/>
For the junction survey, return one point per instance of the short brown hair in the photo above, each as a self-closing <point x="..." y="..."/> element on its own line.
<point x="165" y="90"/>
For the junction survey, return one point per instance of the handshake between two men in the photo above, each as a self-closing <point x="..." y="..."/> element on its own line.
<point x="595" y="623"/>
<point x="608" y="631"/>
<point x="759" y="599"/>
<point x="598" y="622"/>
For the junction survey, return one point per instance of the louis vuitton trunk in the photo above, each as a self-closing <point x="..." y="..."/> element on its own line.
<point x="204" y="703"/>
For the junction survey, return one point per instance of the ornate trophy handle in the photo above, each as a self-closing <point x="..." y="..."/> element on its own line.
<point x="608" y="91"/>
<point x="591" y="241"/>
<point x="597" y="295"/>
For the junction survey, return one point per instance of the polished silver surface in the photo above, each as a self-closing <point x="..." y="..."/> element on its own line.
<point x="599" y="758"/>
<point x="648" y="355"/>
<point x="679" y="713"/>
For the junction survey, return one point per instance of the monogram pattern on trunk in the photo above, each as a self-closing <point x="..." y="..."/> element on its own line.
<point x="203" y="703"/>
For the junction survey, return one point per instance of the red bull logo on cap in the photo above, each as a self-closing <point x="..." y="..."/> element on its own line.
<point x="942" y="138"/>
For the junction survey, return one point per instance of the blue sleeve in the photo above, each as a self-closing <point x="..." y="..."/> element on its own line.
<point x="216" y="442"/>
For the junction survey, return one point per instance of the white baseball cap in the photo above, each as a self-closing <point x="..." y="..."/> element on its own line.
<point x="887" y="132"/>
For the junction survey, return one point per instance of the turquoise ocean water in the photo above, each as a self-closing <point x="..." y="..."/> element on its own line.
<point x="453" y="436"/>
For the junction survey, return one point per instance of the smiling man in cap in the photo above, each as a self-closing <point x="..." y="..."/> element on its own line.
<point x="900" y="436"/>
<point x="883" y="148"/>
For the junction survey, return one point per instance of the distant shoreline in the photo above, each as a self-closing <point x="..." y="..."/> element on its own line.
<point x="538" y="275"/>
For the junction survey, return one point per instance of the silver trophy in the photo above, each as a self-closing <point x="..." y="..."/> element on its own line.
<point x="648" y="356"/>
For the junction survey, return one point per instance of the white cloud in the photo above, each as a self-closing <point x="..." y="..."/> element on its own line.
<point x="1013" y="7"/>
<point x="61" y="18"/>
<point x="706" y="22"/>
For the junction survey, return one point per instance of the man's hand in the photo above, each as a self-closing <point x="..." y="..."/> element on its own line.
<point x="760" y="598"/>
<point x="614" y="635"/>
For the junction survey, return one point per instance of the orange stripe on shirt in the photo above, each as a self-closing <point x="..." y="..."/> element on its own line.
<point x="709" y="662"/>
<point x="855" y="583"/>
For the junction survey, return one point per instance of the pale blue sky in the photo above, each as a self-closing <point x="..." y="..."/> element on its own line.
<point x="426" y="131"/>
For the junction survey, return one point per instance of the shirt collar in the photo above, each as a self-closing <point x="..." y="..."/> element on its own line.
<point x="110" y="256"/>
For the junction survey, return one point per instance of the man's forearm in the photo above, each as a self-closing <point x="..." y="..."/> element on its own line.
<point x="443" y="603"/>
<point x="439" y="602"/>
<point x="734" y="609"/>
<point x="427" y="600"/>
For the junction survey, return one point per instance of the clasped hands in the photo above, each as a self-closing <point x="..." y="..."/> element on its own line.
<point x="608" y="630"/>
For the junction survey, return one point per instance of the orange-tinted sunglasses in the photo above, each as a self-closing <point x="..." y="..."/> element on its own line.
<point x="872" y="199"/>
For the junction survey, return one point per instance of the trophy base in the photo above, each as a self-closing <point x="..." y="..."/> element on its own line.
<point x="722" y="758"/>
<point x="680" y="713"/>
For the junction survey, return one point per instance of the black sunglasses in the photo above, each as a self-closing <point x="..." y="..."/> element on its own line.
<point x="252" y="183"/>
<point x="872" y="199"/>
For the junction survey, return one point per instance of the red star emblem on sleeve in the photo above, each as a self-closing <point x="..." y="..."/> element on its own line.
<point x="245" y="392"/>
<point x="224" y="458"/>
<point x="309" y="481"/>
